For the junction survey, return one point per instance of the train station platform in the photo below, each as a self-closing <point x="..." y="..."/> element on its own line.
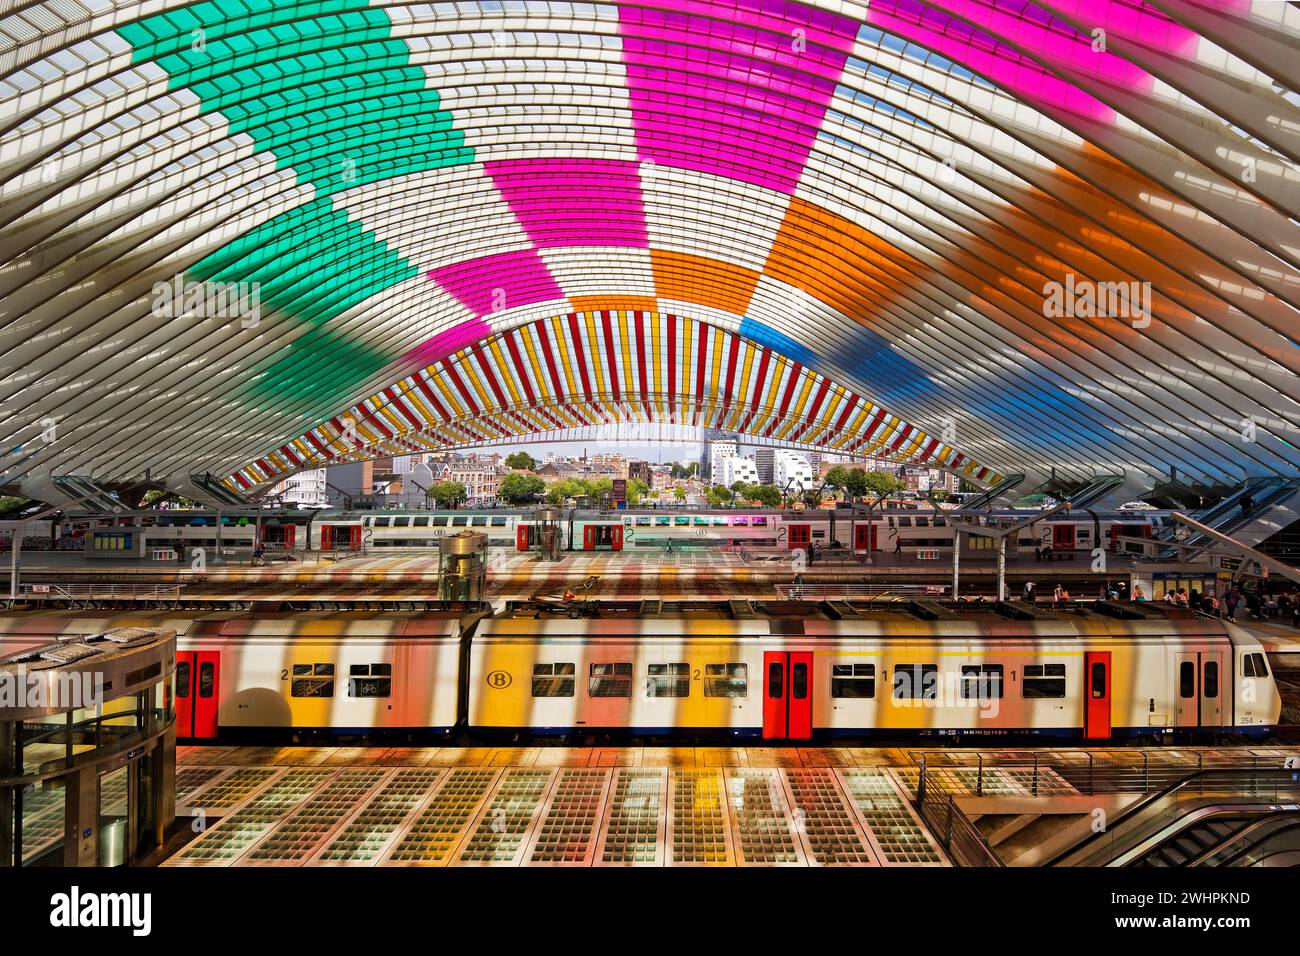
<point x="656" y="573"/>
<point x="603" y="806"/>
<point x="548" y="807"/>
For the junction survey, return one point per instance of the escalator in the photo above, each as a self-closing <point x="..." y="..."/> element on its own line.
<point x="1217" y="817"/>
<point x="1247" y="503"/>
<point x="1222" y="837"/>
<point x="1086" y="495"/>
<point x="986" y="498"/>
<point x="217" y="492"/>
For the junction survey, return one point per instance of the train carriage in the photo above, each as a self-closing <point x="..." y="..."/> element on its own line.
<point x="1077" y="676"/>
<point x="777" y="670"/>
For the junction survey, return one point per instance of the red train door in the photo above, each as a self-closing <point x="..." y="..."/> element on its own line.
<point x="523" y="537"/>
<point x="197" y="682"/>
<point x="1062" y="537"/>
<point x="864" y="537"/>
<point x="289" y="535"/>
<point x="184" y="693"/>
<point x="354" y="537"/>
<point x="1096" y="691"/>
<point x="800" y="535"/>
<point x="616" y="536"/>
<point x="589" y="537"/>
<point x="787" y="695"/>
<point x="327" y="537"/>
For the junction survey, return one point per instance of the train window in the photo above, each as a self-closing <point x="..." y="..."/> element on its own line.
<point x="498" y="522"/>
<point x="701" y="520"/>
<point x="940" y="521"/>
<point x="1098" y="681"/>
<point x="799" y="681"/>
<point x="1253" y="665"/>
<point x="401" y="522"/>
<point x="981" y="682"/>
<point x="1210" y="686"/>
<point x="382" y="522"/>
<point x="421" y="521"/>
<point x="661" y="521"/>
<point x="643" y="521"/>
<point x="370" y="680"/>
<point x="775" y="680"/>
<point x="1186" y="679"/>
<point x="853" y="680"/>
<point x="610" y="680"/>
<point x="758" y="522"/>
<point x="182" y="678"/>
<point x="1083" y="534"/>
<point x="922" y="522"/>
<point x="439" y="522"/>
<point x="668" y="680"/>
<point x="1043" y="680"/>
<point x="479" y="522"/>
<point x="681" y="521"/>
<point x="459" y="522"/>
<point x="553" y="680"/>
<point x="726" y="680"/>
<point x="312" y="680"/>
<point x="916" y="682"/>
<point x="207" y="678"/>
<point x="905" y="522"/>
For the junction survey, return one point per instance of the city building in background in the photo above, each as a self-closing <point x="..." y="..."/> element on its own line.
<point x="737" y="468"/>
<point x="791" y="471"/>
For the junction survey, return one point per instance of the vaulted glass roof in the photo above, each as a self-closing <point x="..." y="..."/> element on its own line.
<point x="1059" y="234"/>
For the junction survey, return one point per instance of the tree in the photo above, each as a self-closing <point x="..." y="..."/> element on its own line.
<point x="812" y="497"/>
<point x="685" y="471"/>
<point x="837" y="479"/>
<point x="636" y="490"/>
<point x="881" y="484"/>
<point x="679" y="492"/>
<point x="767" y="495"/>
<point x="521" y="461"/>
<point x="560" y="491"/>
<point x="448" y="494"/>
<point x="718" y="496"/>
<point x="519" y="489"/>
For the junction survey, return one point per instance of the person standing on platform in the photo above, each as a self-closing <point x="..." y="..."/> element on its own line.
<point x="1029" y="592"/>
<point x="1230" y="601"/>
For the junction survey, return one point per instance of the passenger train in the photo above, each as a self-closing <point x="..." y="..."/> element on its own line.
<point x="777" y="670"/>
<point x="634" y="529"/>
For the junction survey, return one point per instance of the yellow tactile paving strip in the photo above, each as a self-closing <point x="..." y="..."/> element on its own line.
<point x="485" y="806"/>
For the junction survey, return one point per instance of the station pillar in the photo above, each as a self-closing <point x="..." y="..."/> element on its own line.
<point x="547" y="539"/>
<point x="462" y="567"/>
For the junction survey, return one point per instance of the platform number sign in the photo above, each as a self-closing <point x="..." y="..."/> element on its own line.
<point x="498" y="680"/>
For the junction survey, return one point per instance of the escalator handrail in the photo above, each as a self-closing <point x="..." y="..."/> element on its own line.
<point x="1245" y="831"/>
<point x="1138" y="806"/>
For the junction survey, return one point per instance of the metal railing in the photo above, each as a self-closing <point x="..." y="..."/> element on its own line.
<point x="1088" y="772"/>
<point x="960" y="838"/>
<point x="100" y="592"/>
<point x="806" y="592"/>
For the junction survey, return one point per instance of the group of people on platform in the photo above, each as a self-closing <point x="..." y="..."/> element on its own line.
<point x="1258" y="603"/>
